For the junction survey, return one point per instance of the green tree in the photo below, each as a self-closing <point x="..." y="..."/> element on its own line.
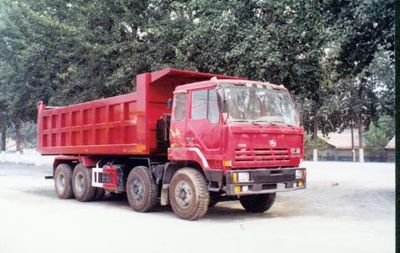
<point x="379" y="134"/>
<point x="27" y="134"/>
<point x="367" y="26"/>
<point x="67" y="52"/>
<point x="31" y="41"/>
<point x="4" y="124"/>
<point x="381" y="76"/>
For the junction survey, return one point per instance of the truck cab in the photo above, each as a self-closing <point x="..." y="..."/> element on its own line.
<point x="244" y="135"/>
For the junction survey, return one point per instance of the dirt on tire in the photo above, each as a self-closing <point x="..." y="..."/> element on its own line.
<point x="63" y="172"/>
<point x="141" y="189"/>
<point x="198" y="205"/>
<point x="83" y="192"/>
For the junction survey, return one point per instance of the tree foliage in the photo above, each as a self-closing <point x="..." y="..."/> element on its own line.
<point x="379" y="134"/>
<point x="336" y="56"/>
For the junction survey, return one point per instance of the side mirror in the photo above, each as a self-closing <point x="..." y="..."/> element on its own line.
<point x="169" y="103"/>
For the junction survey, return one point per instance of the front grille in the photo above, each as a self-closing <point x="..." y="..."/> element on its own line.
<point x="261" y="154"/>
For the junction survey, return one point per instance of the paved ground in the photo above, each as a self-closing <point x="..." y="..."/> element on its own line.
<point x="346" y="208"/>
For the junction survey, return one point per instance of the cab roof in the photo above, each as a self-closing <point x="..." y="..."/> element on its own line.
<point x="185" y="80"/>
<point x="185" y="76"/>
<point x="213" y="82"/>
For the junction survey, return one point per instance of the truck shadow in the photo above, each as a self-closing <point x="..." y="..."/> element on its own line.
<point x="225" y="211"/>
<point x="366" y="204"/>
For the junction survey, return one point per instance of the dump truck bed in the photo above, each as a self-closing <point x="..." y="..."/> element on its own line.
<point x="120" y="125"/>
<point x="107" y="126"/>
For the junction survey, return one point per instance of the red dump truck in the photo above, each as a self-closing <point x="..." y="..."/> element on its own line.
<point x="183" y="138"/>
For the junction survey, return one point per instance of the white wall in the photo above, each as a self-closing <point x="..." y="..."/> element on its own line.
<point x="28" y="156"/>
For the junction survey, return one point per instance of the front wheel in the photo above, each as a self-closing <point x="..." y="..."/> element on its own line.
<point x="188" y="194"/>
<point x="257" y="203"/>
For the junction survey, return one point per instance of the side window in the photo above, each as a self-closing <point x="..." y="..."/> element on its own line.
<point x="213" y="110"/>
<point x="205" y="105"/>
<point x="199" y="104"/>
<point x="179" y="106"/>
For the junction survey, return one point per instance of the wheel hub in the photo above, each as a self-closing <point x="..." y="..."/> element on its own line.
<point x="183" y="194"/>
<point x="80" y="183"/>
<point x="137" y="189"/>
<point x="61" y="182"/>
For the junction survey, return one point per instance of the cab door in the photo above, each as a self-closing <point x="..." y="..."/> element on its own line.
<point x="203" y="128"/>
<point x="178" y="122"/>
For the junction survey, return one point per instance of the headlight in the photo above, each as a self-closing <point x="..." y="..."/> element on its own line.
<point x="300" y="174"/>
<point x="243" y="177"/>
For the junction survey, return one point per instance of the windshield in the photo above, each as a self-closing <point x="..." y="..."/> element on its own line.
<point x="260" y="105"/>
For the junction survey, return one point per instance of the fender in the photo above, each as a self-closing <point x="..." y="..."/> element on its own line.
<point x="87" y="161"/>
<point x="201" y="156"/>
<point x="188" y="154"/>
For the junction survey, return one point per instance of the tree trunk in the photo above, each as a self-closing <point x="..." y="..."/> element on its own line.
<point x="360" y="141"/>
<point x="3" y="138"/>
<point x="315" y="136"/>
<point x="17" y="125"/>
<point x="353" y="152"/>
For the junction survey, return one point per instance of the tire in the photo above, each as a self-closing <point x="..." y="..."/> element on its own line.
<point x="188" y="194"/>
<point x="63" y="181"/>
<point x="82" y="183"/>
<point x="141" y="189"/>
<point x="257" y="203"/>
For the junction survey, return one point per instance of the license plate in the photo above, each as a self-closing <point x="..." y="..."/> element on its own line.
<point x="280" y="186"/>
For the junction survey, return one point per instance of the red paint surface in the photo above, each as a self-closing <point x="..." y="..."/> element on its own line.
<point x="112" y="185"/>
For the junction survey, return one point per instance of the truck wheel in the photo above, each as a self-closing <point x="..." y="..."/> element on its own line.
<point x="62" y="181"/>
<point x="257" y="203"/>
<point x="141" y="189"/>
<point x="188" y="194"/>
<point x="82" y="183"/>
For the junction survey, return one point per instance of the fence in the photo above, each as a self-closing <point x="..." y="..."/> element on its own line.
<point x="346" y="155"/>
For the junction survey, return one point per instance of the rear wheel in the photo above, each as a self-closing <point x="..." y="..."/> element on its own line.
<point x="63" y="181"/>
<point x="141" y="189"/>
<point x="188" y="194"/>
<point x="257" y="203"/>
<point x="82" y="183"/>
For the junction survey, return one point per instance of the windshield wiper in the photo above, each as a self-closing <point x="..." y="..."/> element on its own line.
<point x="282" y="123"/>
<point x="271" y="122"/>
<point x="257" y="122"/>
<point x="240" y="120"/>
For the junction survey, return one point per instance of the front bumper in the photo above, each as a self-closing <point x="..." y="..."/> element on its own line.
<point x="264" y="181"/>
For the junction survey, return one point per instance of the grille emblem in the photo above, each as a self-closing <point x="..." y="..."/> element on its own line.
<point x="272" y="143"/>
<point x="242" y="145"/>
